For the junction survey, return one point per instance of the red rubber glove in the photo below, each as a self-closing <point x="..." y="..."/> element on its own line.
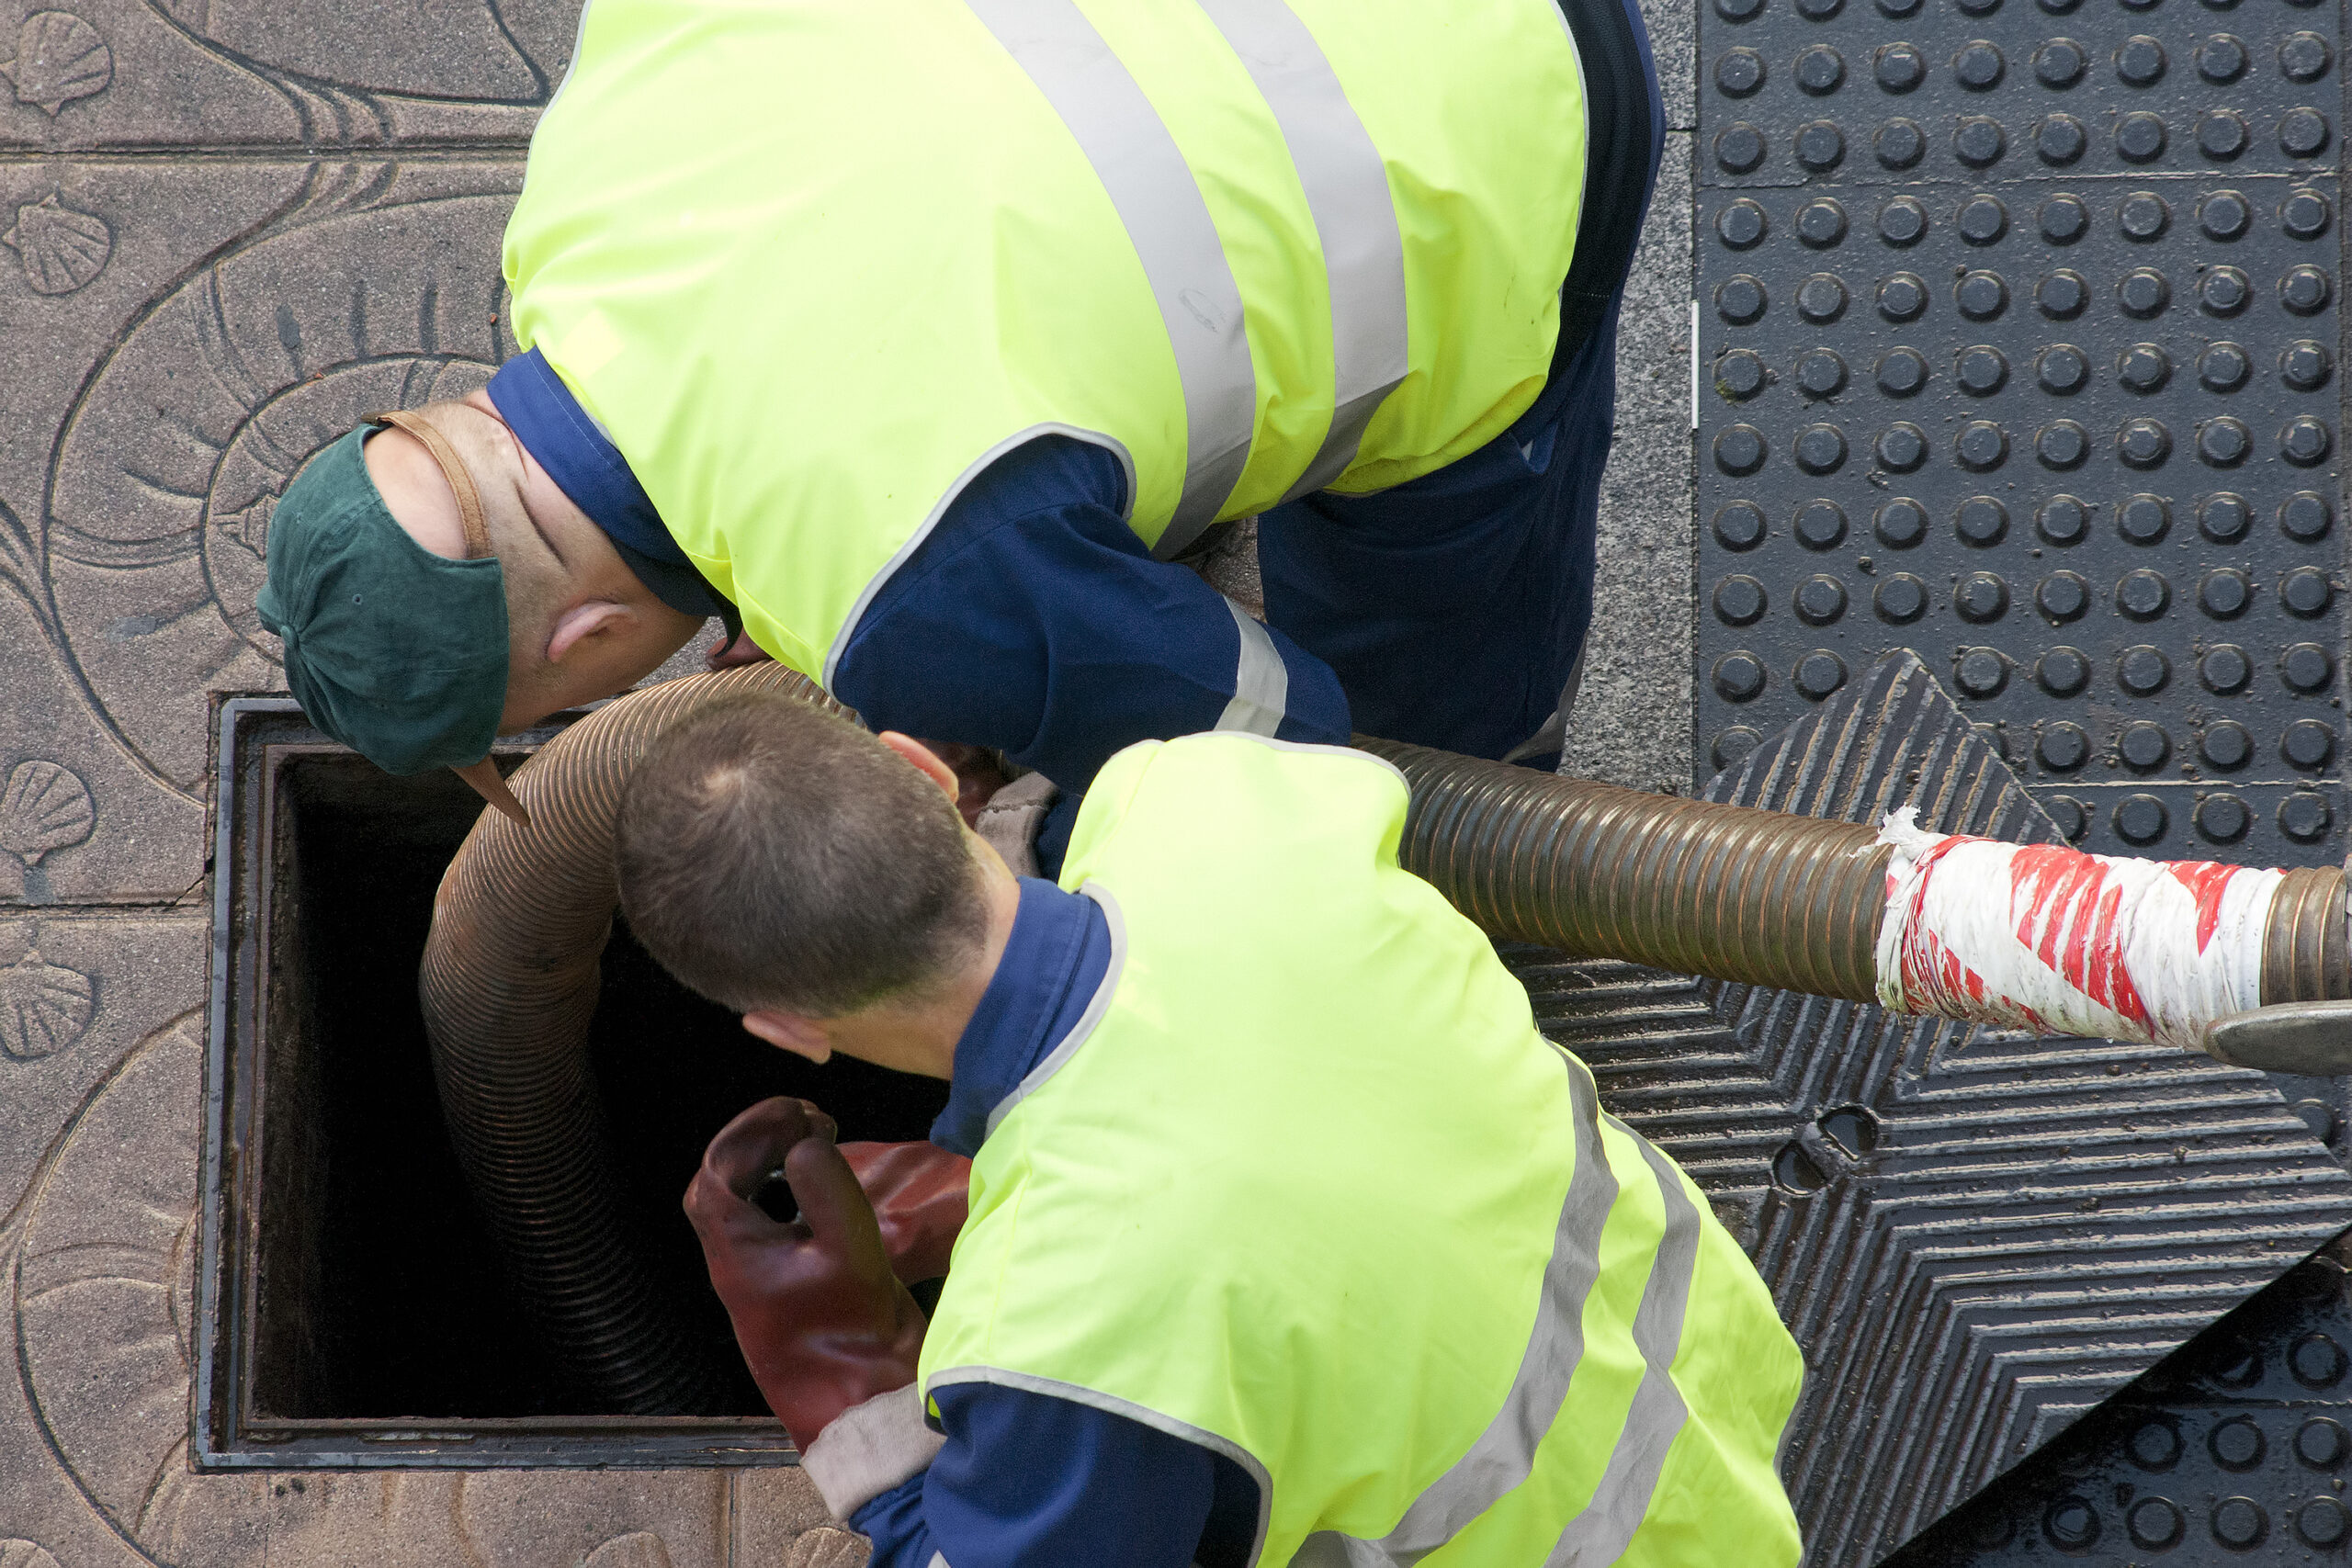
<point x="818" y="1315"/>
<point x="919" y="1193"/>
<point x="978" y="775"/>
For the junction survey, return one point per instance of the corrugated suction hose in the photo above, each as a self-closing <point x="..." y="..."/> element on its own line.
<point x="508" y="984"/>
<point x="509" y="975"/>
<point x="1729" y="892"/>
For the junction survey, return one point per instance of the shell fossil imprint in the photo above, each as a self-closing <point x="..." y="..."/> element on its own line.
<point x="60" y="57"/>
<point x="60" y="249"/>
<point x="638" y="1549"/>
<point x="44" y="1007"/>
<point x="44" y="806"/>
<point x="826" y="1547"/>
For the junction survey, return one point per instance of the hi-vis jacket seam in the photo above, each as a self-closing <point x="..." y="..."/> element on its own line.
<point x="939" y="510"/>
<point x="1078" y="1394"/>
<point x="1053" y="1060"/>
<point x="1313" y="748"/>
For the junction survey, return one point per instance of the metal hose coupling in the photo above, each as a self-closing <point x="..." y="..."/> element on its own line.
<point x="2248" y="964"/>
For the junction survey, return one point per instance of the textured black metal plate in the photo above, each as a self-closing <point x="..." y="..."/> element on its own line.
<point x="1975" y="1237"/>
<point x="2234" y="1450"/>
<point x="2018" y="322"/>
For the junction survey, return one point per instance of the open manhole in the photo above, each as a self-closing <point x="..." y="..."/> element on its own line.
<point x="351" y="1306"/>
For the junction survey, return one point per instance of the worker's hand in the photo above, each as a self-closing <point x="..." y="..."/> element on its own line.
<point x="726" y="655"/>
<point x="1014" y="819"/>
<point x="980" y="773"/>
<point x="920" y="1195"/>
<point x="819" y="1318"/>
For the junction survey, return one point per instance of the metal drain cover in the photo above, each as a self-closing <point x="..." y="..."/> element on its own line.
<point x="2234" y="1450"/>
<point x="1976" y="1237"/>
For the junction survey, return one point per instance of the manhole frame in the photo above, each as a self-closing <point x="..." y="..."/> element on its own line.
<point x="254" y="737"/>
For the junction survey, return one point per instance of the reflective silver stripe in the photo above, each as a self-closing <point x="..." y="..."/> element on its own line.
<point x="1504" y="1453"/>
<point x="1346" y="182"/>
<point x="1553" y="734"/>
<point x="578" y="37"/>
<point x="1327" y="1548"/>
<point x="1152" y="188"/>
<point x="1261" y="681"/>
<point x="1602" y="1532"/>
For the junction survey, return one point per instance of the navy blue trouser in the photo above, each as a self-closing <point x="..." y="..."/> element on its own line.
<point x="1453" y="607"/>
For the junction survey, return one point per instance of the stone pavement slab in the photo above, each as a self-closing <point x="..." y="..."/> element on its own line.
<point x="364" y="291"/>
<point x="1633" y="718"/>
<point x="94" y="1431"/>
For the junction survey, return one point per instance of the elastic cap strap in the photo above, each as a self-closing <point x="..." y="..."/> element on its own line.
<point x="453" y="469"/>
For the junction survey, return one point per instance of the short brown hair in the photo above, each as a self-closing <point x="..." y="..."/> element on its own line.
<point x="773" y="855"/>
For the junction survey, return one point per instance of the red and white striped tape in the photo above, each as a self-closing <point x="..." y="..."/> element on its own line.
<point x="2041" y="937"/>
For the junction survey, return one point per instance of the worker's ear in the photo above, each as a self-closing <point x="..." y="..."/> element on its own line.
<point x="926" y="762"/>
<point x="790" y="1031"/>
<point x="581" y="621"/>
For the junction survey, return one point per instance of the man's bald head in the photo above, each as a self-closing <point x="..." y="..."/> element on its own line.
<point x="581" y="625"/>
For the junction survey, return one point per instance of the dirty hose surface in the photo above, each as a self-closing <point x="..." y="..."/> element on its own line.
<point x="508" y="985"/>
<point x="1730" y="892"/>
<point x="510" y="977"/>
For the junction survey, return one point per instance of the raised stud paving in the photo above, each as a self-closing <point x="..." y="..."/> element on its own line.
<point x="2046" y="291"/>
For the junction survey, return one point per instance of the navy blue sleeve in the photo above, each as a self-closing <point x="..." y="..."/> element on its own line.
<point x="1032" y="620"/>
<point x="1027" y="1480"/>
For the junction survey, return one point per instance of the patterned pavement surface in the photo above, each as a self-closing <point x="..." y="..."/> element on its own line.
<point x="229" y="228"/>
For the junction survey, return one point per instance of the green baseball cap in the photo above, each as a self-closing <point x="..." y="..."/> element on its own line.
<point x="399" y="653"/>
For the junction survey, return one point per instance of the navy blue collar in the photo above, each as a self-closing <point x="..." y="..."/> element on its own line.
<point x="585" y="465"/>
<point x="1053" y="963"/>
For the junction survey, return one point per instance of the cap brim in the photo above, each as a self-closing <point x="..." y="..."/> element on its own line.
<point x="491" y="785"/>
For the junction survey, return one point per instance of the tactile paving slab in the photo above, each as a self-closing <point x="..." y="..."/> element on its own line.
<point x="2234" y="1450"/>
<point x="1974" y="1237"/>
<point x="2018" y="331"/>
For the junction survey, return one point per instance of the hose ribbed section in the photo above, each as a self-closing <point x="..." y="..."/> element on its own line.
<point x="1731" y="892"/>
<point x="2304" y="958"/>
<point x="1759" y="897"/>
<point x="508" y="985"/>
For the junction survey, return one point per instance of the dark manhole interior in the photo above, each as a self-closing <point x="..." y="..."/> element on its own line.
<point x="379" y="1293"/>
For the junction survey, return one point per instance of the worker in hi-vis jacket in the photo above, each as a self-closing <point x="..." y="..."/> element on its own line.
<point x="926" y="339"/>
<point x="1291" y="1240"/>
